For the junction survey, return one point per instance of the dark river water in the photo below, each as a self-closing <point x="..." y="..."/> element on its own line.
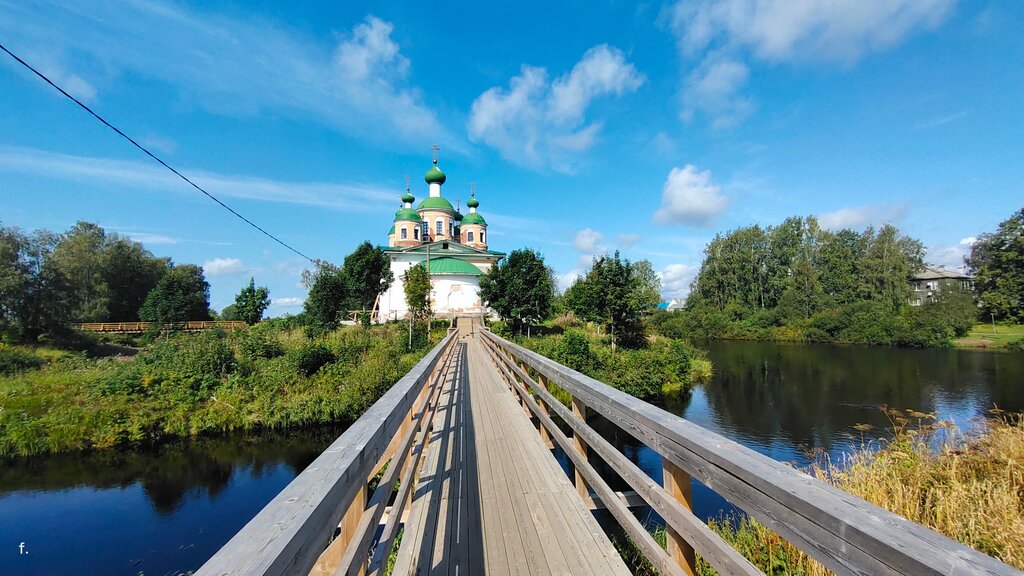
<point x="166" y="511"/>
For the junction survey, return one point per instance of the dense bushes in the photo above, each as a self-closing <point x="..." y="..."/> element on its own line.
<point x="190" y="384"/>
<point x="870" y="322"/>
<point x="14" y="360"/>
<point x="664" y="366"/>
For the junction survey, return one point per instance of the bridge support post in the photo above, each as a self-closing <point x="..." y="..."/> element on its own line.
<point x="544" y="434"/>
<point x="579" y="409"/>
<point x="677" y="484"/>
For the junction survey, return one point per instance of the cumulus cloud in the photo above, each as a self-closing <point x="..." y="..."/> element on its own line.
<point x="862" y="216"/>
<point x="951" y="256"/>
<point x="538" y="123"/>
<point x="676" y="279"/>
<point x="288" y="302"/>
<point x="234" y="66"/>
<point x="587" y="241"/>
<point x="564" y="281"/>
<point x="714" y="88"/>
<point x="782" y="31"/>
<point x="224" y="267"/>
<point x="690" y="196"/>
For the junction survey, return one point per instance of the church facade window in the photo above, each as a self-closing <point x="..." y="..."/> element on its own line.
<point x="415" y="233"/>
<point x="469" y="236"/>
<point x="481" y="236"/>
<point x="439" y="226"/>
<point x="405" y="233"/>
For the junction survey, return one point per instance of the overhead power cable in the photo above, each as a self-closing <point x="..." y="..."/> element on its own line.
<point x="153" y="156"/>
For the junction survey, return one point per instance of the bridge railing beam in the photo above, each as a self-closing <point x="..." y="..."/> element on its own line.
<point x="846" y="534"/>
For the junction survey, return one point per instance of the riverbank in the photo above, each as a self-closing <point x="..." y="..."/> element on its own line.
<point x="665" y="367"/>
<point x="993" y="337"/>
<point x="186" y="385"/>
<point x="967" y="486"/>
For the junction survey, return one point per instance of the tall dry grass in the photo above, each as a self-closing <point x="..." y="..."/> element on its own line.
<point x="968" y="486"/>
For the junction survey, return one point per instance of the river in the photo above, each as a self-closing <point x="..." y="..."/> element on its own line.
<point x="165" y="511"/>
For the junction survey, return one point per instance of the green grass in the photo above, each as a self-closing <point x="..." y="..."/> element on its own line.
<point x="195" y="384"/>
<point x="989" y="336"/>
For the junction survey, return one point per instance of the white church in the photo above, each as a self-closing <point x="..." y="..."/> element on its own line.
<point x="452" y="246"/>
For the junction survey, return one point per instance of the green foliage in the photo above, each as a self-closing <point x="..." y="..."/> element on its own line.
<point x="417" y="293"/>
<point x="368" y="270"/>
<point x="251" y="302"/>
<point x="328" y="298"/>
<point x="34" y="295"/>
<point x="520" y="289"/>
<point x="997" y="263"/>
<point x="230" y="312"/>
<point x="616" y="293"/>
<point x="13" y="360"/>
<point x="182" y="294"/>
<point x="309" y="358"/>
<point x="189" y="384"/>
<point x="665" y="366"/>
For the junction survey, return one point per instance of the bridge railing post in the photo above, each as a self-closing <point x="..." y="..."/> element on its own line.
<point x="579" y="409"/>
<point x="679" y="486"/>
<point x="544" y="434"/>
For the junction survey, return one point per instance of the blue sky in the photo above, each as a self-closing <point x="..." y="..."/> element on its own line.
<point x="587" y="127"/>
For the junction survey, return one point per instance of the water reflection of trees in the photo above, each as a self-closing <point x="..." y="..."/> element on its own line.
<point x="810" y="395"/>
<point x="169" y="472"/>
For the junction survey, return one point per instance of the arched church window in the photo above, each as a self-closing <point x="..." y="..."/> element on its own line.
<point x="405" y="233"/>
<point x="415" y="233"/>
<point x="469" y="236"/>
<point x="482" y="237"/>
<point x="439" y="226"/>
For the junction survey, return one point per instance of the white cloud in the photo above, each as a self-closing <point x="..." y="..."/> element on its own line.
<point x="587" y="241"/>
<point x="224" y="267"/>
<point x="690" y="197"/>
<point x="288" y="302"/>
<point x="540" y="124"/>
<point x="235" y="66"/>
<point x="628" y="240"/>
<point x="151" y="238"/>
<point x="727" y="33"/>
<point x="676" y="279"/>
<point x="862" y="216"/>
<point x="951" y="256"/>
<point x="145" y="175"/>
<point x="714" y="89"/>
<point x="780" y="30"/>
<point x="566" y="280"/>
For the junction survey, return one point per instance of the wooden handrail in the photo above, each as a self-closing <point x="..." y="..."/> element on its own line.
<point x="845" y="533"/>
<point x="292" y="532"/>
<point x="191" y="325"/>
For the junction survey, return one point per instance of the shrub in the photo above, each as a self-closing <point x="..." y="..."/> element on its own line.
<point x="258" y="343"/>
<point x="13" y="360"/>
<point x="574" y="351"/>
<point x="310" y="358"/>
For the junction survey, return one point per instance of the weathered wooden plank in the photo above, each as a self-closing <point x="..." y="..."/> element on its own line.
<point x="288" y="535"/>
<point x="845" y="533"/>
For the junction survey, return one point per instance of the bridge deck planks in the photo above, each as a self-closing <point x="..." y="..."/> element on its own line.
<point x="490" y="497"/>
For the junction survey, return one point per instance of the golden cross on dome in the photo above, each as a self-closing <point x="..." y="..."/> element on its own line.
<point x="408" y="179"/>
<point x="472" y="188"/>
<point x="435" y="148"/>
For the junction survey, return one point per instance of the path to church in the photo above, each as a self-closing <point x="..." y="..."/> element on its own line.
<point x="490" y="496"/>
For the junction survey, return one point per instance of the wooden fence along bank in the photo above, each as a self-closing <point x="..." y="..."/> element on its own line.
<point x="452" y="471"/>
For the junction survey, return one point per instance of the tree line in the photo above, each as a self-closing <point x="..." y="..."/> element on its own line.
<point x="49" y="281"/>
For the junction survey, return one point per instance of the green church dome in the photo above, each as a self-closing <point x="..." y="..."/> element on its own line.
<point x="473" y="202"/>
<point x="458" y="217"/>
<point x="392" y="231"/>
<point x="408" y="198"/>
<point x="435" y="203"/>
<point x="434" y="175"/>
<point x="407" y="214"/>
<point x="474" y="218"/>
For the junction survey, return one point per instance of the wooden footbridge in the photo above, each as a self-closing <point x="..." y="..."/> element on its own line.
<point x="452" y="472"/>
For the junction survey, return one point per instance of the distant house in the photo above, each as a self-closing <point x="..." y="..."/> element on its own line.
<point x="928" y="282"/>
<point x="674" y="305"/>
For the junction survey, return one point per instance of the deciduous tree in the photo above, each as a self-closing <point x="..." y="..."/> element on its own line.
<point x="251" y="302"/>
<point x="520" y="289"/>
<point x="182" y="294"/>
<point x="997" y="263"/>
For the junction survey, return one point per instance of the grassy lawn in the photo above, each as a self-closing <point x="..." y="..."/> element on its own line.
<point x="989" y="336"/>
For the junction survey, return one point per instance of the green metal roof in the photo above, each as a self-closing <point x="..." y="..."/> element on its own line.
<point x="434" y="175"/>
<point x="407" y="214"/>
<point x="435" y="203"/>
<point x="474" y="218"/>
<point x="392" y="231"/>
<point x="407" y="197"/>
<point x="473" y="202"/>
<point x="451" y="266"/>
